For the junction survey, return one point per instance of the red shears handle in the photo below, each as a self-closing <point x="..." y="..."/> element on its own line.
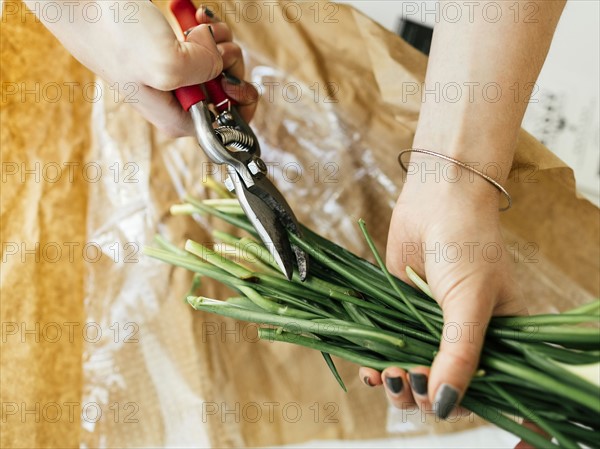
<point x="185" y="13"/>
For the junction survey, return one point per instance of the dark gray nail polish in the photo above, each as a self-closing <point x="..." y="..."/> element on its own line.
<point x="209" y="13"/>
<point x="232" y="79"/>
<point x="418" y="382"/>
<point x="394" y="384"/>
<point x="212" y="33"/>
<point x="445" y="400"/>
<point x="367" y="381"/>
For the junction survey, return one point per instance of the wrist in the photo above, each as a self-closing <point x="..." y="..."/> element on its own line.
<point x="490" y="155"/>
<point x="430" y="179"/>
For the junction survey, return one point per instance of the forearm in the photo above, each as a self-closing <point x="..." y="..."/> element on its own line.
<point x="103" y="38"/>
<point x="494" y="65"/>
<point x="138" y="46"/>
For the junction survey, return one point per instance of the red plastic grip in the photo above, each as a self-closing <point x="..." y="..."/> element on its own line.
<point x="188" y="96"/>
<point x="185" y="13"/>
<point x="217" y="95"/>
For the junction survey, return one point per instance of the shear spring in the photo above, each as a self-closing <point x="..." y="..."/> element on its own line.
<point x="234" y="138"/>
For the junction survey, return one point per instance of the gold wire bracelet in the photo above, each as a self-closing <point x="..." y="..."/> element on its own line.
<point x="460" y="164"/>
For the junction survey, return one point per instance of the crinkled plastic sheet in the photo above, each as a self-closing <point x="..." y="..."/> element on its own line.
<point x="146" y="378"/>
<point x="141" y="377"/>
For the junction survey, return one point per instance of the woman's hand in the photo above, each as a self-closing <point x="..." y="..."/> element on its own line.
<point x="435" y="218"/>
<point x="146" y="51"/>
<point x="449" y="234"/>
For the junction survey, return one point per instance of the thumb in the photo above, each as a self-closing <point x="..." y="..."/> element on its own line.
<point x="189" y="62"/>
<point x="200" y="57"/>
<point x="467" y="310"/>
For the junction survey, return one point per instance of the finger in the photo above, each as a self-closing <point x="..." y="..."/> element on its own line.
<point x="221" y="32"/>
<point x="397" y="388"/>
<point x="369" y="376"/>
<point x="206" y="15"/>
<point x="191" y="62"/>
<point x="233" y="61"/>
<point x="467" y="310"/>
<point x="244" y="93"/>
<point x="418" y="379"/>
<point x="164" y="111"/>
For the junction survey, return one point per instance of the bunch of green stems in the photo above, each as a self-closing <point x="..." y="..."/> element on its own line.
<point x="542" y="368"/>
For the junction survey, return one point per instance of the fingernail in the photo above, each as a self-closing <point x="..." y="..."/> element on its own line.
<point x="367" y="381"/>
<point x="212" y="33"/>
<point x="445" y="400"/>
<point x="188" y="31"/>
<point x="209" y="13"/>
<point x="232" y="79"/>
<point x="394" y="384"/>
<point x="418" y="382"/>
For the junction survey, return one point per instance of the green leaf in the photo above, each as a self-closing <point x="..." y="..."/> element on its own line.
<point x="334" y="370"/>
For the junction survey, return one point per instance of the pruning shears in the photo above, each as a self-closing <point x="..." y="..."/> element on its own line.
<point x="227" y="139"/>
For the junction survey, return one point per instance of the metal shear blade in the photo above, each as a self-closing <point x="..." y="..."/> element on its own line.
<point x="272" y="217"/>
<point x="265" y="190"/>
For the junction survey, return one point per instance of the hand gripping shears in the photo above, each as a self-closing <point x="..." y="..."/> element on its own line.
<point x="227" y="139"/>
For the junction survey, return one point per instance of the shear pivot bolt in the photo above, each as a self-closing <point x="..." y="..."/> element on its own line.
<point x="225" y="118"/>
<point x="257" y="166"/>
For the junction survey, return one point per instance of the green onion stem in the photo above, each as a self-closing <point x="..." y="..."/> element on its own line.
<point x="351" y="308"/>
<point x="537" y="419"/>
<point x="542" y="320"/>
<point x="548" y="382"/>
<point x="319" y="327"/>
<point x="592" y="308"/>
<point x="216" y="259"/>
<point x="505" y="423"/>
<point x="351" y="356"/>
<point x="576" y="336"/>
